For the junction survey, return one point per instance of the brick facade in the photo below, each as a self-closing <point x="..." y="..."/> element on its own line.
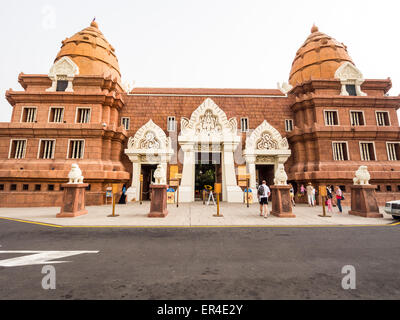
<point x="104" y="161"/>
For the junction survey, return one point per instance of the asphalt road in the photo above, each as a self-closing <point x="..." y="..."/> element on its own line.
<point x="205" y="263"/>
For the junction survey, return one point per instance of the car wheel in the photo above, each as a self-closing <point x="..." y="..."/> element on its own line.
<point x="396" y="217"/>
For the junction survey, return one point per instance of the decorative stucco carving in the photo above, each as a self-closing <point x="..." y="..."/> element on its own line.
<point x="149" y="141"/>
<point x="208" y="120"/>
<point x="150" y="137"/>
<point x="266" y="137"/>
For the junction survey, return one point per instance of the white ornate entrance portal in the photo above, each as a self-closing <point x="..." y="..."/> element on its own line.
<point x="209" y="130"/>
<point x="149" y="146"/>
<point x="267" y="147"/>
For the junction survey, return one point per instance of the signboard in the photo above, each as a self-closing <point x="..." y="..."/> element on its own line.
<point x="250" y="196"/>
<point x="178" y="176"/>
<point x="174" y="183"/>
<point x="242" y="183"/>
<point x="109" y="194"/>
<point x="115" y="188"/>
<point x="218" y="188"/>
<point x="242" y="171"/>
<point x="173" y="171"/>
<point x="323" y="192"/>
<point x="170" y="196"/>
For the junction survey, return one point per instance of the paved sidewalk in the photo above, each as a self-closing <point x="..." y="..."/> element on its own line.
<point x="189" y="215"/>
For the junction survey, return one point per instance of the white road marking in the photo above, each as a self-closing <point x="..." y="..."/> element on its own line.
<point x="32" y="258"/>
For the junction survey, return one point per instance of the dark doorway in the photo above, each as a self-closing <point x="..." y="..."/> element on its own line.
<point x="208" y="172"/>
<point x="267" y="173"/>
<point x="148" y="179"/>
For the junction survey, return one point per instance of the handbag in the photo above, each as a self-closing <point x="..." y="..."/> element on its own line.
<point x="343" y="198"/>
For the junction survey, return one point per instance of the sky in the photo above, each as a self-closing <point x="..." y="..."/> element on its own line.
<point x="199" y="44"/>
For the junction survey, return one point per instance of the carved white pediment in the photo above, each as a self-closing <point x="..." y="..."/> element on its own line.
<point x="209" y="120"/>
<point x="150" y="138"/>
<point x="348" y="71"/>
<point x="266" y="137"/>
<point x="64" y="67"/>
<point x="348" y="74"/>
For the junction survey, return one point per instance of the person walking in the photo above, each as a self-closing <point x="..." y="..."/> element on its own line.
<point x="339" y="198"/>
<point x="292" y="195"/>
<point x="264" y="193"/>
<point x="310" y="195"/>
<point x="122" y="200"/>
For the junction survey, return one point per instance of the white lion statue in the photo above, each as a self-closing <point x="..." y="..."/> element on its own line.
<point x="75" y="175"/>
<point x="280" y="176"/>
<point x="362" y="176"/>
<point x="159" y="175"/>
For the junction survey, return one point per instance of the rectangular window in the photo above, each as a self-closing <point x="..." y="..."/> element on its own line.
<point x="25" y="187"/>
<point x="1" y="187"/>
<point x="17" y="149"/>
<point x="351" y="90"/>
<point x="29" y="115"/>
<point x="126" y="123"/>
<point x="13" y="187"/>
<point x="83" y="115"/>
<point x="340" y="151"/>
<point x="393" y="150"/>
<point x="56" y="115"/>
<point x="382" y="118"/>
<point x="171" y="124"/>
<point x="367" y="150"/>
<point x="289" y="125"/>
<point x="46" y="149"/>
<point x="38" y="187"/>
<point x="76" y="149"/>
<point x="389" y="188"/>
<point x="50" y="187"/>
<point x="244" y="124"/>
<point x="62" y="85"/>
<point x="331" y="118"/>
<point x="357" y="118"/>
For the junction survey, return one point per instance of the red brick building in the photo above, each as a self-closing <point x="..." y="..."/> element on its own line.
<point x="325" y="123"/>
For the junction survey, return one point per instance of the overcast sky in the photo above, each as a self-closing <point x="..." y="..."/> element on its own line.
<point x="203" y="43"/>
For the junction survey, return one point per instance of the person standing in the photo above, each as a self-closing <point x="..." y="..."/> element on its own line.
<point x="310" y="195"/>
<point x="264" y="193"/>
<point x="122" y="200"/>
<point x="339" y="198"/>
<point x="292" y="195"/>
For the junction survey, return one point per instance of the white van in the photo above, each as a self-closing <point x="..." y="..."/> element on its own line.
<point x="393" y="208"/>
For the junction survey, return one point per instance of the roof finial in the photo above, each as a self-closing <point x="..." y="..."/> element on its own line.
<point x="314" y="28"/>
<point x="94" y="23"/>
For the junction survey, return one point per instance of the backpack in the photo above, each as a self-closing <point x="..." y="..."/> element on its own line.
<point x="261" y="191"/>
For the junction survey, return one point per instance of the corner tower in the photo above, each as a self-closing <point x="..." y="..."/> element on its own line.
<point x="70" y="115"/>
<point x="342" y="121"/>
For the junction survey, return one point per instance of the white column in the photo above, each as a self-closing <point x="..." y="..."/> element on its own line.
<point x="234" y="193"/>
<point x="186" y="190"/>
<point x="251" y="167"/>
<point x="133" y="193"/>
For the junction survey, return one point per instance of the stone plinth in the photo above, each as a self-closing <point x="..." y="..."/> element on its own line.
<point x="73" y="204"/>
<point x="158" y="207"/>
<point x="281" y="205"/>
<point x="363" y="202"/>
